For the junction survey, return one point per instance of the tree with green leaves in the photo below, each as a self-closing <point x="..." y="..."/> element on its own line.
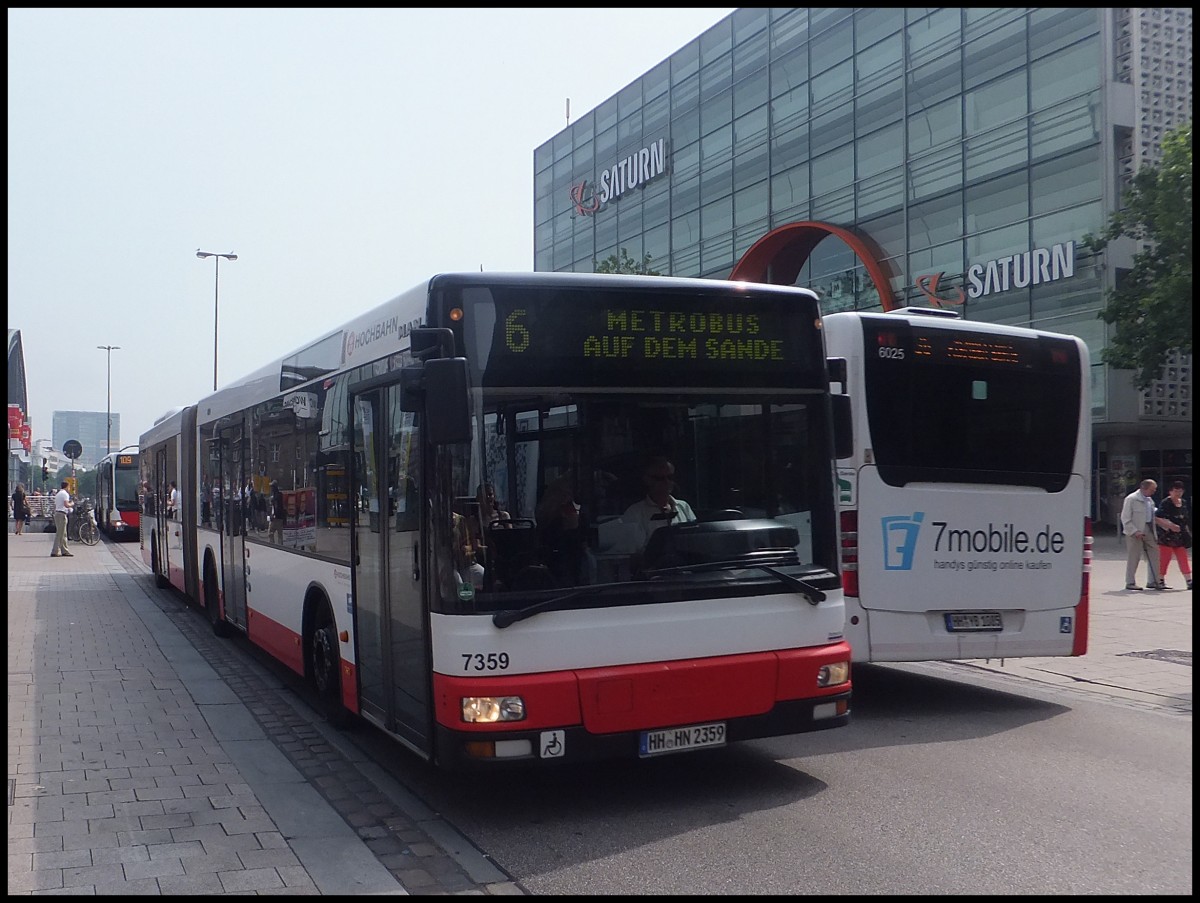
<point x="85" y="482"/>
<point x="626" y="264"/>
<point x="1152" y="303"/>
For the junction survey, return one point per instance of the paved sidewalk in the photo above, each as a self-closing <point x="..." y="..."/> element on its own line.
<point x="128" y="757"/>
<point x="144" y="759"/>
<point x="1139" y="643"/>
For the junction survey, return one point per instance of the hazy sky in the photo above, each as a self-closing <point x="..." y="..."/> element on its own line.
<point x="344" y="156"/>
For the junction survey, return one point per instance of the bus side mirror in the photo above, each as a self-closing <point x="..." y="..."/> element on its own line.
<point x="439" y="389"/>
<point x="843" y="427"/>
<point x="837" y="370"/>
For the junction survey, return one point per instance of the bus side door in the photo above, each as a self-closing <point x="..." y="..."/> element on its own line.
<point x="231" y="521"/>
<point x="391" y="627"/>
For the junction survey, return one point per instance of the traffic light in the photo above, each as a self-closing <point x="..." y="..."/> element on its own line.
<point x="45" y="470"/>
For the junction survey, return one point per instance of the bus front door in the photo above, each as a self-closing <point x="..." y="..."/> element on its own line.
<point x="390" y="623"/>
<point x="231" y="448"/>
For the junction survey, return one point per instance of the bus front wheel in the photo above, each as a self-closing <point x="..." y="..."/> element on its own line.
<point x="325" y="668"/>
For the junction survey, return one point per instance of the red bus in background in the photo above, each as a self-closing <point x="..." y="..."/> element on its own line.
<point x="118" y="509"/>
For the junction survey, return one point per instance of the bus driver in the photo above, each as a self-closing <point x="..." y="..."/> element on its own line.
<point x="658" y="507"/>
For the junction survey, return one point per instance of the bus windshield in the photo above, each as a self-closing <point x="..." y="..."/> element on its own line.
<point x="126" y="483"/>
<point x="613" y="488"/>
<point x="625" y="434"/>
<point x="961" y="406"/>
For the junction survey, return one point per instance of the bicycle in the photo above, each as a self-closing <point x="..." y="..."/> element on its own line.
<point x="81" y="524"/>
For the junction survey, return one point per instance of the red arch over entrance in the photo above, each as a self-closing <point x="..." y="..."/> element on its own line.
<point x="778" y="256"/>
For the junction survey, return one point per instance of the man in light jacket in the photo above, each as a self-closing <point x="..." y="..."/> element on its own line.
<point x="1137" y="523"/>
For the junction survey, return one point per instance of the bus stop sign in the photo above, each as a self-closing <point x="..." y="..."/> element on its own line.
<point x="72" y="449"/>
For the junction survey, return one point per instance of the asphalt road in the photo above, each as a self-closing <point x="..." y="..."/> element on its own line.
<point x="938" y="786"/>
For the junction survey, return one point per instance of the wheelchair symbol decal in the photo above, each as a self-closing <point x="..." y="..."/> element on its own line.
<point x="553" y="744"/>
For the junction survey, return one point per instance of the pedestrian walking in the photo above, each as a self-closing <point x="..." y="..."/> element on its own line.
<point x="20" y="509"/>
<point x="62" y="508"/>
<point x="1138" y="524"/>
<point x="1174" y="527"/>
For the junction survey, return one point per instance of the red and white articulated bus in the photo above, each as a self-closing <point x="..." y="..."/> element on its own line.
<point x="331" y="511"/>
<point x="965" y="500"/>
<point x="118" y="505"/>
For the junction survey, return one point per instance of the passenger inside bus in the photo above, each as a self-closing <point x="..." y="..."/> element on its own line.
<point x="486" y="515"/>
<point x="564" y="530"/>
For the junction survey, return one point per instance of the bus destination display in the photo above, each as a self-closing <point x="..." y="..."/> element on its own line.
<point x="536" y="336"/>
<point x="897" y="342"/>
<point x="667" y="334"/>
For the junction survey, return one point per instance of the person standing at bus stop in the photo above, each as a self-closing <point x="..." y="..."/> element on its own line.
<point x="1174" y="534"/>
<point x="62" y="508"/>
<point x="1138" y="525"/>
<point x="20" y="509"/>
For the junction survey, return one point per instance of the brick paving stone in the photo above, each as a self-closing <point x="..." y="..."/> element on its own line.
<point x="182" y="850"/>
<point x="155" y="868"/>
<point x="212" y="861"/>
<point x="120" y="854"/>
<point x="275" y="859"/>
<point x="91" y="841"/>
<point x="294" y="876"/>
<point x="191" y="885"/>
<point x="418" y="880"/>
<point x="61" y="860"/>
<point x="143" y="838"/>
<point x="249" y="880"/>
<point x="93" y="874"/>
<point x="140" y="887"/>
<point x="34" y="845"/>
<point x="271" y="840"/>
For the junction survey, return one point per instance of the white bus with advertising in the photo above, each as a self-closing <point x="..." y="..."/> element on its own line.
<point x="965" y="503"/>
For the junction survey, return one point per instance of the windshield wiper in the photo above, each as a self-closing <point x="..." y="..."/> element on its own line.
<point x="810" y="592"/>
<point x="509" y="616"/>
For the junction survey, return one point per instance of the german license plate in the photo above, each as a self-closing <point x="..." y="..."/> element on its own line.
<point x="681" y="739"/>
<point x="967" y="621"/>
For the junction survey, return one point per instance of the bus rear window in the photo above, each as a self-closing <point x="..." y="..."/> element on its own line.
<point x="950" y="406"/>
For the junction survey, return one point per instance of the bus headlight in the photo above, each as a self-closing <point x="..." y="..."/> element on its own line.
<point x="490" y="709"/>
<point x="833" y="674"/>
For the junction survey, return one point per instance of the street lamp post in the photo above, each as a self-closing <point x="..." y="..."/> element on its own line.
<point x="216" y="288"/>
<point x="108" y="435"/>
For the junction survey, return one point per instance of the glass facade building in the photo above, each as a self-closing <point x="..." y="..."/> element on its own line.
<point x="89" y="429"/>
<point x="893" y="157"/>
